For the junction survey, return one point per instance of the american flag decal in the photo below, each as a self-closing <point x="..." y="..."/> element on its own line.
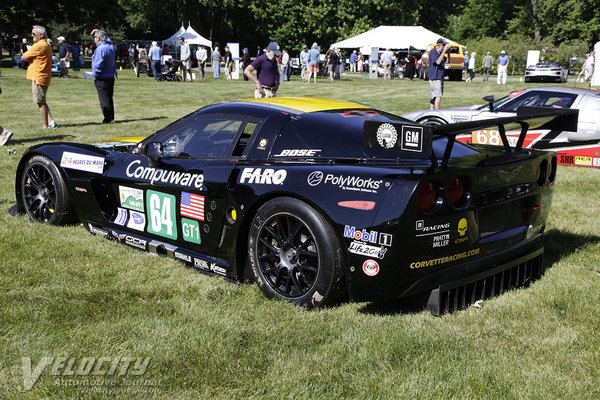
<point x="192" y="206"/>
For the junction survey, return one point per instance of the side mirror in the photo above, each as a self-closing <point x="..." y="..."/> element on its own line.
<point x="490" y="100"/>
<point x="154" y="152"/>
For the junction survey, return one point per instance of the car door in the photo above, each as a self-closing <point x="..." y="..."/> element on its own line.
<point x="174" y="188"/>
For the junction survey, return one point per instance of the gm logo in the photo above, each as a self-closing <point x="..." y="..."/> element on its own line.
<point x="412" y="139"/>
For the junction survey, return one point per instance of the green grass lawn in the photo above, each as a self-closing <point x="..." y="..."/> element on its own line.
<point x="65" y="293"/>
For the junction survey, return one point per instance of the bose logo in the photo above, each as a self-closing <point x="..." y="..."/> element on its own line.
<point x="297" y="153"/>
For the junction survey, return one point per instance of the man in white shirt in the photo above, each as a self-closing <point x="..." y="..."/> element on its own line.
<point x="186" y="61"/>
<point x="201" y="56"/>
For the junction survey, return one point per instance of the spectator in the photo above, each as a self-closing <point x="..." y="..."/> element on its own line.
<point x="76" y="56"/>
<point x="285" y="63"/>
<point x="104" y="70"/>
<point x="587" y="70"/>
<point x="23" y="47"/>
<point x="314" y="56"/>
<point x="339" y="64"/>
<point x="186" y="59"/>
<point x="424" y="65"/>
<point x="63" y="55"/>
<point x="471" y="68"/>
<point x="228" y="58"/>
<point x="353" y="60"/>
<point x="330" y="63"/>
<point x="216" y="63"/>
<point x="267" y="72"/>
<point x="388" y="59"/>
<point x="201" y="56"/>
<point x="502" y="68"/>
<point x="303" y="61"/>
<point x="5" y="134"/>
<point x="360" y="64"/>
<point x="134" y="58"/>
<point x="437" y="62"/>
<point x="39" y="71"/>
<point x="466" y="63"/>
<point x="155" y="56"/>
<point x="486" y="65"/>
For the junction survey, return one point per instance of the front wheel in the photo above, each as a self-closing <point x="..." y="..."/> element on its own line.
<point x="295" y="254"/>
<point x="44" y="193"/>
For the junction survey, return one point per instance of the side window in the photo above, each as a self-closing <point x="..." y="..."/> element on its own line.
<point x="249" y="129"/>
<point x="540" y="99"/>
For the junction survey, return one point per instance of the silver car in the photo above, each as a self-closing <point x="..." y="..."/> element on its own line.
<point x="546" y="72"/>
<point x="587" y="101"/>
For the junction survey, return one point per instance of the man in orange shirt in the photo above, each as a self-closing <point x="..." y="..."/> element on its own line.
<point x="39" y="57"/>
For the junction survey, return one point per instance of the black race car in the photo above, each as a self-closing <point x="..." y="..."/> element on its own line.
<point x="313" y="199"/>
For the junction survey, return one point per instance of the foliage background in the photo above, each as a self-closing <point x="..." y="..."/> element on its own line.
<point x="561" y="28"/>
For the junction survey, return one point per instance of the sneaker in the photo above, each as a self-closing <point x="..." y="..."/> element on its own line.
<point x="4" y="136"/>
<point x="52" y="124"/>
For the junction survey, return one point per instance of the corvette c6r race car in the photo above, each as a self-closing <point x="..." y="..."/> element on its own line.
<point x="313" y="199"/>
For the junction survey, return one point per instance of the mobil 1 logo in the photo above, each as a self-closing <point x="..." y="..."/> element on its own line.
<point x="411" y="138"/>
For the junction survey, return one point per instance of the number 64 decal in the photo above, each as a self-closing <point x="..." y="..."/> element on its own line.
<point x="161" y="214"/>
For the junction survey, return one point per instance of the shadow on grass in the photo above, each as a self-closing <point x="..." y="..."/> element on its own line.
<point x="557" y="245"/>
<point x="39" y="139"/>
<point x="116" y="121"/>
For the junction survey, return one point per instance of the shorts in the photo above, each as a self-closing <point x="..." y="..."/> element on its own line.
<point x="38" y="93"/>
<point x="187" y="64"/>
<point x="313" y="67"/>
<point x="437" y="88"/>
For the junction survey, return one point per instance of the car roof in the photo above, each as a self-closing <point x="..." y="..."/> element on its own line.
<point x="573" y="90"/>
<point x="299" y="105"/>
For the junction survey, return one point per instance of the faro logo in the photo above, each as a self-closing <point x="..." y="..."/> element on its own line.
<point x="314" y="178"/>
<point x="267" y="176"/>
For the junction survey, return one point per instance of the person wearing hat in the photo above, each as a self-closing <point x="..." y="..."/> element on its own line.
<point x="502" y="68"/>
<point x="435" y="70"/>
<point x="245" y="60"/>
<point x="267" y="72"/>
<point x="39" y="71"/>
<point x="353" y="60"/>
<point x="201" y="56"/>
<point x="186" y="59"/>
<point x="63" y="54"/>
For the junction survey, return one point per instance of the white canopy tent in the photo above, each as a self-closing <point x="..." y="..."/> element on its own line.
<point x="393" y="37"/>
<point x="190" y="35"/>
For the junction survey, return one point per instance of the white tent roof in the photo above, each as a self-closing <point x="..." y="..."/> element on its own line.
<point x="393" y="37"/>
<point x="190" y="35"/>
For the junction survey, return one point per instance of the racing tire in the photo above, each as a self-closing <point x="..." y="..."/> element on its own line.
<point x="295" y="255"/>
<point x="432" y="121"/>
<point x="44" y="194"/>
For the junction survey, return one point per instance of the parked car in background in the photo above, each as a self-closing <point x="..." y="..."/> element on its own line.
<point x="546" y="72"/>
<point x="455" y="58"/>
<point x="580" y="147"/>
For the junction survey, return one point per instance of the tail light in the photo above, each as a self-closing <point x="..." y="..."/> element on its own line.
<point x="428" y="196"/>
<point x="456" y="193"/>
<point x="552" y="171"/>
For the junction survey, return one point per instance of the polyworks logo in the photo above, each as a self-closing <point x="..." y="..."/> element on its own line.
<point x="315" y="178"/>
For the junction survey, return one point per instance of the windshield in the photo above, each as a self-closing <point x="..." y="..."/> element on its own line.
<point x="533" y="98"/>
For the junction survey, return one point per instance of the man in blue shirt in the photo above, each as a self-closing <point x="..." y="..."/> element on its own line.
<point x="103" y="69"/>
<point x="502" y="68"/>
<point x="155" y="55"/>
<point x="437" y="62"/>
<point x="267" y="72"/>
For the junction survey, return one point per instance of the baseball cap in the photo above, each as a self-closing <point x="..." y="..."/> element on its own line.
<point x="441" y="41"/>
<point x="502" y="52"/>
<point x="60" y="38"/>
<point x="245" y="49"/>
<point x="274" y="47"/>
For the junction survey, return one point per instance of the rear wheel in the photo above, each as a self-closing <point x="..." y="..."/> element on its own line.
<point x="44" y="194"/>
<point x="295" y="254"/>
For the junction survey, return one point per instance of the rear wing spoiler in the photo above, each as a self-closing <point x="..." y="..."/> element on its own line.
<point x="417" y="138"/>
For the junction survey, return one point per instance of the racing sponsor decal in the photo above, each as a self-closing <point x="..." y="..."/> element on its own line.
<point x="344" y="182"/>
<point x="444" y="260"/>
<point x="192" y="205"/>
<point x="412" y="138"/>
<point x="131" y="198"/>
<point x="399" y="137"/>
<point x="135" y="242"/>
<point x="161" y="214"/>
<point x="212" y="267"/>
<point x="441" y="240"/>
<point x="137" y="221"/>
<point x="363" y="249"/>
<point x="370" y="267"/>
<point x="191" y="231"/>
<point x="159" y="175"/>
<point x="583" y="160"/>
<point x="298" y="153"/>
<point x="352" y="232"/>
<point x="266" y="176"/>
<point x="463" y="227"/>
<point x="596" y="162"/>
<point x="566" y="159"/>
<point x="262" y="144"/>
<point x="97" y="231"/>
<point x="426" y="230"/>
<point x="82" y="162"/>
<point x="387" y="136"/>
<point x="183" y="257"/>
<point x="121" y="217"/>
